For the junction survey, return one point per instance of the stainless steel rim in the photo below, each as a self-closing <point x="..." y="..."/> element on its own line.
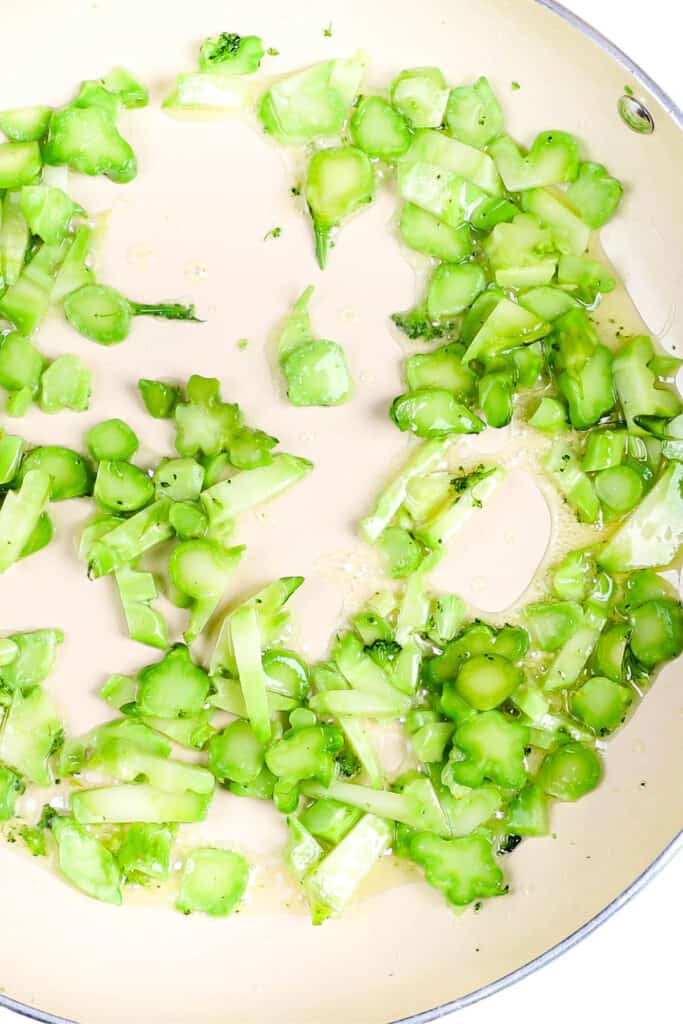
<point x="439" y="1012"/>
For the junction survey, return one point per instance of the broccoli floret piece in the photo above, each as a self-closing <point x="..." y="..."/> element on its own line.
<point x="415" y="323"/>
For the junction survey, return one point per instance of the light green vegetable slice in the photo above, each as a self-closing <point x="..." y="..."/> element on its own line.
<point x="200" y="569"/>
<point x="330" y="885"/>
<point x="122" y="487"/>
<point x="25" y="124"/>
<point x="214" y="882"/>
<point x="339" y="181"/>
<point x="31" y="732"/>
<point x="421" y="95"/>
<point x="112" y="440"/>
<point x="378" y="129"/>
<point x="65" y="384"/>
<point x="136" y="802"/>
<point x="145" y="624"/>
<point x="19" y="515"/>
<point x="85" y="861"/>
<point x="473" y="114"/>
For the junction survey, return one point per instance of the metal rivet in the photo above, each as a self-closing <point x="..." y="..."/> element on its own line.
<point x="635" y="115"/>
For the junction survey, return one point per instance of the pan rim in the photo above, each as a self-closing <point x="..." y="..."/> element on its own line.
<point x="676" y="845"/>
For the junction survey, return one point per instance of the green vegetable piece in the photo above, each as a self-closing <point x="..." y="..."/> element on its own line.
<point x="32" y="659"/>
<point x="317" y="374"/>
<point x="570" y="772"/>
<point x="652" y="534"/>
<point x="302" y="851"/>
<point x="31" y="732"/>
<point x="11" y="454"/>
<point x="179" y="479"/>
<point x="25" y="124"/>
<point x="463" y="869"/>
<point x="521" y="253"/>
<point x="19" y="515"/>
<point x="313" y="102"/>
<point x="569" y="233"/>
<point x="200" y="569"/>
<point x="8" y="651"/>
<point x="94" y="94"/>
<point x="506" y="327"/>
<point x="594" y="194"/>
<point x="496" y="392"/>
<point x="552" y="159"/>
<point x="65" y="384"/>
<point x="416" y="805"/>
<point x="329" y="820"/>
<point x="21" y="364"/>
<point x="601" y="704"/>
<point x="575" y="576"/>
<point x="208" y="91"/>
<point x="426" y="494"/>
<point x="552" y="623"/>
<point x="229" y="498"/>
<point x="204" y="423"/>
<point x="574" y="485"/>
<point x="421" y="95"/>
<point x="401" y="550"/>
<point x="174" y="687"/>
<point x="87" y="139"/>
<point x="306" y="753"/>
<point x="422" y="231"/>
<point x="11" y="787"/>
<point x="26" y="302"/>
<point x="20" y="164"/>
<point x="250" y="449"/>
<point x="446" y="617"/>
<point x="584" y="278"/>
<point x="18" y="402"/>
<point x="122" y="487"/>
<point x="434" y="149"/>
<point x="430" y="741"/>
<point x="214" y="882"/>
<point x="425" y="458"/>
<point x="469" y="493"/>
<point x="145" y="853"/>
<point x="637" y="388"/>
<point x="247" y="644"/>
<point x="231" y="54"/>
<point x="112" y="441"/>
<point x="619" y="488"/>
<point x="331" y="883"/>
<point x="486" y="680"/>
<point x="286" y="673"/>
<point x="236" y="754"/>
<point x="188" y="519"/>
<point x="14" y="239"/>
<point x="74" y="272"/>
<point x="48" y="211"/>
<point x="610" y="651"/>
<point x="127" y="762"/>
<point x="145" y="624"/>
<point x="160" y="399"/>
<point x="605" y="449"/>
<point x="473" y="114"/>
<point x="339" y="181"/>
<point x="42" y="534"/>
<point x="433" y="413"/>
<point x="130" y="91"/>
<point x="137" y="802"/>
<point x="493" y="748"/>
<point x="122" y="544"/>
<point x="119" y="690"/>
<point x="271" y="616"/>
<point x="527" y="815"/>
<point x="85" y="861"/>
<point x="452" y="288"/>
<point x="590" y="392"/>
<point x="656" y="631"/>
<point x="415" y="323"/>
<point x="77" y="752"/>
<point x="103" y="315"/>
<point x="645" y="585"/>
<point x="546" y="302"/>
<point x="378" y="129"/>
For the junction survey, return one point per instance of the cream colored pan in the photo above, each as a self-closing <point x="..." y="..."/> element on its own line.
<point x="192" y="226"/>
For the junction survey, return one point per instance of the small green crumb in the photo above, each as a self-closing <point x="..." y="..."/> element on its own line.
<point x="628" y="90"/>
<point x="273" y="233"/>
<point x="295" y="190"/>
<point x="242" y="344"/>
<point x="327" y="31"/>
<point x="515" y="86"/>
<point x="273" y="52"/>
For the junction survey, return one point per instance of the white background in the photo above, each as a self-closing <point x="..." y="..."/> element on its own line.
<point x="630" y="968"/>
